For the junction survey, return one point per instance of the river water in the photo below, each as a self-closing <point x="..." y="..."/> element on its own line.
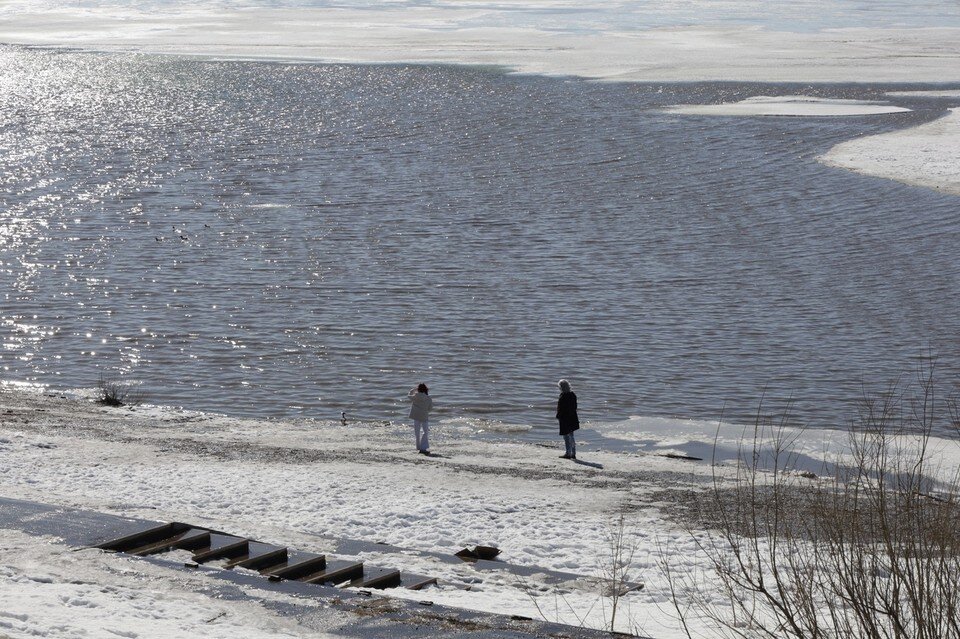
<point x="300" y="239"/>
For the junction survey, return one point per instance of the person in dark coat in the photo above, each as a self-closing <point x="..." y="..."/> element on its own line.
<point x="567" y="416"/>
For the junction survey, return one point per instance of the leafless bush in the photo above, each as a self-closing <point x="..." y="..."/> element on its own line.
<point x="874" y="552"/>
<point x="617" y="577"/>
<point x="113" y="393"/>
<point x="617" y="567"/>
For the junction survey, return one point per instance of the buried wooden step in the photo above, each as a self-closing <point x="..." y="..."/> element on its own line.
<point x="265" y="562"/>
<point x="338" y="573"/>
<point x="146" y="537"/>
<point x="190" y="537"/>
<point x="300" y="570"/>
<point x="233" y="550"/>
<point x="417" y="582"/>
<point x="379" y="578"/>
<point x="274" y="562"/>
<point x="197" y="543"/>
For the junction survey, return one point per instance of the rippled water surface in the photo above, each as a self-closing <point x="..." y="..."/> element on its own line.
<point x="281" y="239"/>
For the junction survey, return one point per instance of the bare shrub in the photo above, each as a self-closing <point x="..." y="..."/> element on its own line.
<point x="617" y="577"/>
<point x="872" y="551"/>
<point x="617" y="567"/>
<point x="113" y="393"/>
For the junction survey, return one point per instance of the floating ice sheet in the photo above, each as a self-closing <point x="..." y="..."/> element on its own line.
<point x="789" y="105"/>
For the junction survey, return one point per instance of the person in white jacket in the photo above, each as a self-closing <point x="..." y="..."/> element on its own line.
<point x="420" y="414"/>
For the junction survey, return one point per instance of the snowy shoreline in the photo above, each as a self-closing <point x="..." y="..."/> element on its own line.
<point x="299" y="482"/>
<point x="288" y="482"/>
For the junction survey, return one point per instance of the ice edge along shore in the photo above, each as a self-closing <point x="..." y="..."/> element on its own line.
<point x="927" y="155"/>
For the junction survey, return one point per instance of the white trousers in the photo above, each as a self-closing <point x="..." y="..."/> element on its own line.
<point x="423" y="442"/>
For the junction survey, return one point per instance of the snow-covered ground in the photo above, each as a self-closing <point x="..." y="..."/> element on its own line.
<point x="48" y="590"/>
<point x="293" y="483"/>
<point x="288" y="482"/>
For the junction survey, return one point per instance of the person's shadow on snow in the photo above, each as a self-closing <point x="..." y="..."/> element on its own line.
<point x="586" y="463"/>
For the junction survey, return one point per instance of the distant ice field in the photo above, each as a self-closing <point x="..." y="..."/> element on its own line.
<point x="283" y="239"/>
<point x="579" y="16"/>
<point x="684" y="40"/>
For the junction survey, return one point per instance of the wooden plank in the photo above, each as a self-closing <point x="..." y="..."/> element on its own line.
<point x="337" y="575"/>
<point x="190" y="539"/>
<point x="300" y="569"/>
<point x="418" y="583"/>
<point x="157" y="546"/>
<point x="683" y="457"/>
<point x="230" y="551"/>
<point x="151" y="535"/>
<point x="266" y="561"/>
<point x="383" y="578"/>
<point x="199" y="543"/>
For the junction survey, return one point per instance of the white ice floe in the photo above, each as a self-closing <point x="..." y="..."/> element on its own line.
<point x="927" y="155"/>
<point x="789" y="105"/>
<point x="946" y="93"/>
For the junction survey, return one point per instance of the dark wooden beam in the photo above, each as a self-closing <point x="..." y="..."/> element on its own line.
<point x="337" y="575"/>
<point x="230" y="551"/>
<point x="301" y="569"/>
<point x="199" y="543"/>
<point x="380" y="579"/>
<point x="266" y="561"/>
<point x="417" y="583"/>
<point x="141" y="539"/>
